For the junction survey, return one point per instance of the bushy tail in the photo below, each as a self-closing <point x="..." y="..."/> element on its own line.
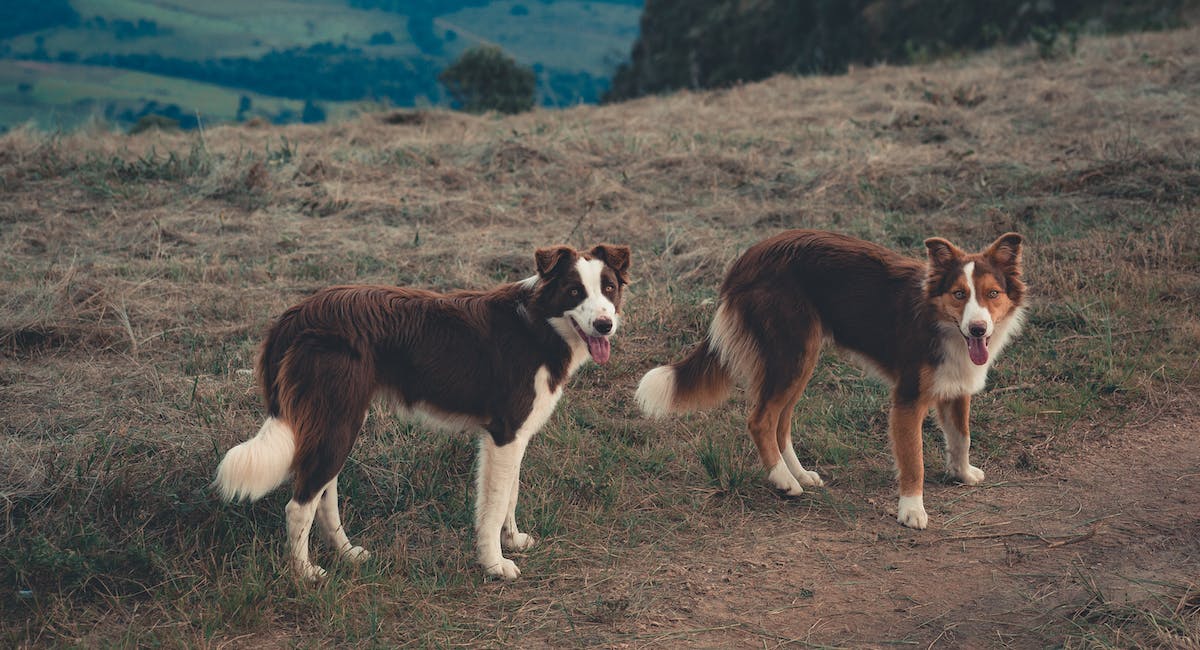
<point x="259" y="465"/>
<point x="699" y="381"/>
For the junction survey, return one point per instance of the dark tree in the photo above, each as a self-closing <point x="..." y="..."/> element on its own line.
<point x="312" y="113"/>
<point x="486" y="79"/>
<point x="244" y="105"/>
<point x="382" y="38"/>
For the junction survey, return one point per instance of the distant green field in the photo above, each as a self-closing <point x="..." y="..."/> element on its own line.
<point x="598" y="35"/>
<point x="564" y="37"/>
<point x="55" y="95"/>
<point x="221" y="28"/>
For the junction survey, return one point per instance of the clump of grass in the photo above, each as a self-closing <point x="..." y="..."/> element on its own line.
<point x="1167" y="616"/>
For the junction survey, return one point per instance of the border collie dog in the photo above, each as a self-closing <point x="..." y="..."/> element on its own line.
<point x="491" y="360"/>
<point x="930" y="329"/>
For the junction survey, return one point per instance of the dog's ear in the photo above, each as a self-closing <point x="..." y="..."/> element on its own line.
<point x="616" y="257"/>
<point x="553" y="260"/>
<point x="1005" y="253"/>
<point x="941" y="252"/>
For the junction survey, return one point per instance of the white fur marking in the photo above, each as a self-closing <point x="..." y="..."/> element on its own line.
<point x="656" y="392"/>
<point x="438" y="419"/>
<point x="255" y="467"/>
<point x="595" y="304"/>
<point x="498" y="472"/>
<point x="804" y="476"/>
<point x="958" y="375"/>
<point x="737" y="350"/>
<point x="911" y="512"/>
<point x="973" y="311"/>
<point x="330" y="523"/>
<point x="530" y="282"/>
<point x="781" y="477"/>
<point x="299" y="522"/>
<point x="958" y="454"/>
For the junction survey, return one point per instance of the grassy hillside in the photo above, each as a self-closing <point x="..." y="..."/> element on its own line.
<point x="138" y="274"/>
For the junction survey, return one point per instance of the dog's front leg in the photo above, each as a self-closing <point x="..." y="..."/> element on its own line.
<point x="499" y="466"/>
<point x="510" y="537"/>
<point x="954" y="416"/>
<point x="905" y="432"/>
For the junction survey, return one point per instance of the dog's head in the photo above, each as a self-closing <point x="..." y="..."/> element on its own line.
<point x="975" y="292"/>
<point x="580" y="293"/>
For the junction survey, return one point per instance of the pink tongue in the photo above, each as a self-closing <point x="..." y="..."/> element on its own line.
<point x="977" y="348"/>
<point x="601" y="348"/>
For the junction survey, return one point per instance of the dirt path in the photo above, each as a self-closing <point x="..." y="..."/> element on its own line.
<point x="1009" y="564"/>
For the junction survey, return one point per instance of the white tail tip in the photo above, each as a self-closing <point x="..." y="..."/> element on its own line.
<point x="259" y="465"/>
<point x="656" y="392"/>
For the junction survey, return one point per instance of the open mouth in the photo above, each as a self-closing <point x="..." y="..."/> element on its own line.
<point x="598" y="346"/>
<point x="977" y="348"/>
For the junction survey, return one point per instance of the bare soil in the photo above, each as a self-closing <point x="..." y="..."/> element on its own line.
<point x="1020" y="562"/>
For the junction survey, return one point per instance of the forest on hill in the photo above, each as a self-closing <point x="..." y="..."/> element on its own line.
<point x="715" y="43"/>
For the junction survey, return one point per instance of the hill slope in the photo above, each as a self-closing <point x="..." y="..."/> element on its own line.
<point x="138" y="274"/>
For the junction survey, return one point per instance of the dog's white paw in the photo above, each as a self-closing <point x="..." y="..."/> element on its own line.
<point x="911" y="512"/>
<point x="309" y="572"/>
<point x="519" y="542"/>
<point x="505" y="569"/>
<point x="972" y="475"/>
<point x="781" y="478"/>
<point x="356" y="554"/>
<point x="809" y="478"/>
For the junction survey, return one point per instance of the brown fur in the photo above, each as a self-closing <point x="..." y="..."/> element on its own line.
<point x="788" y="293"/>
<point x="469" y="354"/>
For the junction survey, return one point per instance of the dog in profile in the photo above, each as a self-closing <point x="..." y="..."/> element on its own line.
<point x="931" y="329"/>
<point x="495" y="361"/>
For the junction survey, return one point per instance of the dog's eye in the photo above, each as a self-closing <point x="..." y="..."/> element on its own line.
<point x="574" y="292"/>
<point x="960" y="294"/>
<point x="993" y="294"/>
<point x="608" y="288"/>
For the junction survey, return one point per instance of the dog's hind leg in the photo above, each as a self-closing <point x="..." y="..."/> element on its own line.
<point x="299" y="523"/>
<point x="331" y="524"/>
<point x="954" y="416"/>
<point x="783" y="430"/>
<point x="325" y="391"/>
<point x="763" y="424"/>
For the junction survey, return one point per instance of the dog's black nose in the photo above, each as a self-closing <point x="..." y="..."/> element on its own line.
<point x="977" y="328"/>
<point x="603" y="325"/>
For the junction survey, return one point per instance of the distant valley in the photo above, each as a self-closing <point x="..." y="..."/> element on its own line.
<point x="64" y="63"/>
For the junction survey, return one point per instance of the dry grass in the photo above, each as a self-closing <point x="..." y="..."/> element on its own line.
<point x="138" y="273"/>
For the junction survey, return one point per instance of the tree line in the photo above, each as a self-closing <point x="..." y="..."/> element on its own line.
<point x="714" y="43"/>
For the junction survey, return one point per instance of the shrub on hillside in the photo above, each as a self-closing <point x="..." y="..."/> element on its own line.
<point x="486" y="79"/>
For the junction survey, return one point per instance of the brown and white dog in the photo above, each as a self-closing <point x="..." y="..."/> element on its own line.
<point x="930" y="329"/>
<point x="493" y="360"/>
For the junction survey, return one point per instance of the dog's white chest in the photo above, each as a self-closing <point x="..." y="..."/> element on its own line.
<point x="957" y="375"/>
